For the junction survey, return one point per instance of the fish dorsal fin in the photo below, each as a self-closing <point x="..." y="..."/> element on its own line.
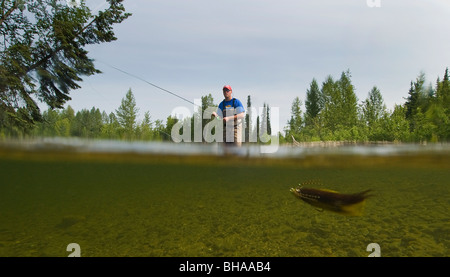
<point x="313" y="182"/>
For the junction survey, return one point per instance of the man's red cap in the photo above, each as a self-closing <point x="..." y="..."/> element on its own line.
<point x="227" y="87"/>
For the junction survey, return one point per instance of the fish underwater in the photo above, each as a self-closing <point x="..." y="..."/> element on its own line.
<point x="345" y="204"/>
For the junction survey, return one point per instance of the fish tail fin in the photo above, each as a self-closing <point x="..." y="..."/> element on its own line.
<point x="366" y="193"/>
<point x="356" y="209"/>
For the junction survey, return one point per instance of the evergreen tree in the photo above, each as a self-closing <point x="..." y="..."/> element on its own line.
<point x="340" y="112"/>
<point x="69" y="113"/>
<point x="331" y="96"/>
<point x="87" y="123"/>
<point x="146" y="127"/>
<point x="438" y="121"/>
<point x="373" y="109"/>
<point x="269" y="126"/>
<point x="95" y="123"/>
<point x="110" y="127"/>
<point x="437" y="113"/>
<point x="48" y="123"/>
<point x="314" y="103"/>
<point x="248" y="120"/>
<point x="158" y="130"/>
<point x="65" y="122"/>
<point x="257" y="129"/>
<point x="126" y="115"/>
<point x="373" y="106"/>
<point x="349" y="109"/>
<point x="295" y="122"/>
<point x="443" y="92"/>
<point x="207" y="102"/>
<point x="81" y="122"/>
<point x="166" y="132"/>
<point x="265" y="129"/>
<point x="263" y="126"/>
<point x="398" y="127"/>
<point x="414" y="100"/>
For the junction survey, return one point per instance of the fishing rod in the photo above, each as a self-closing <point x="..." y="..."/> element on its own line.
<point x="149" y="83"/>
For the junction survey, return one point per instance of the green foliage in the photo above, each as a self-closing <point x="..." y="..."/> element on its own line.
<point x="144" y="130"/>
<point x="265" y="128"/>
<point x="158" y="131"/>
<point x="43" y="56"/>
<point x="111" y="126"/>
<point x="295" y="123"/>
<point x="95" y="124"/>
<point x="166" y="131"/>
<point x="314" y="103"/>
<point x="340" y="109"/>
<point x="416" y="98"/>
<point x="248" y="120"/>
<point x="373" y="110"/>
<point x="346" y="104"/>
<point x="126" y="115"/>
<point x="202" y="112"/>
<point x="425" y="116"/>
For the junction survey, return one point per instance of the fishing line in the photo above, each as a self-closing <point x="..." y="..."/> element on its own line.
<point x="151" y="84"/>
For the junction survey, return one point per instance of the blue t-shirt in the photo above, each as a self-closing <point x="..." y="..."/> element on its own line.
<point x="228" y="106"/>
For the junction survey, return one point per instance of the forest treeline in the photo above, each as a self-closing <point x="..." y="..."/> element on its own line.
<point x="332" y="113"/>
<point x="123" y="124"/>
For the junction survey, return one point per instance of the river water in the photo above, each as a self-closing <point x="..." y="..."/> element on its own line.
<point x="115" y="198"/>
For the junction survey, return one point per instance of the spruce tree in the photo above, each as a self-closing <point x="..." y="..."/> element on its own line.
<point x="146" y="127"/>
<point x="348" y="110"/>
<point x="248" y="120"/>
<point x="263" y="126"/>
<point x="443" y="90"/>
<point x="207" y="102"/>
<point x="313" y="103"/>
<point x="373" y="109"/>
<point x="295" y="122"/>
<point x="126" y="115"/>
<point x="414" y="100"/>
<point x="269" y="125"/>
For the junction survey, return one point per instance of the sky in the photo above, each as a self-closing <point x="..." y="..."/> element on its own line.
<point x="270" y="50"/>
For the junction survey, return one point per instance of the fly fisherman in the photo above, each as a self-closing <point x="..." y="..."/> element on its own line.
<point x="232" y="112"/>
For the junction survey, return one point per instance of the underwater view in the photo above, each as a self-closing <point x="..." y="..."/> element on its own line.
<point x="139" y="201"/>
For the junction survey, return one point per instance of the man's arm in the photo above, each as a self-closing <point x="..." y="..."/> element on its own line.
<point x="234" y="117"/>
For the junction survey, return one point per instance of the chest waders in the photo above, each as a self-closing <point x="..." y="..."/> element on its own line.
<point x="231" y="136"/>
